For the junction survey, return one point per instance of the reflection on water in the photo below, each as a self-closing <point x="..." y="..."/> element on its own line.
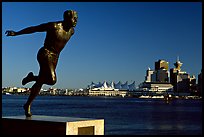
<point x="123" y="116"/>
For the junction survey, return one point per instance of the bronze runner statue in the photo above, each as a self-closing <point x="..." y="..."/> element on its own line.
<point x="57" y="35"/>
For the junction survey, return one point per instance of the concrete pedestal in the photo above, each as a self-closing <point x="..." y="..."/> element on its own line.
<point x="51" y="125"/>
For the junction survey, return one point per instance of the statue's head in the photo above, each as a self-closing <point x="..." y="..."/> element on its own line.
<point x="70" y="16"/>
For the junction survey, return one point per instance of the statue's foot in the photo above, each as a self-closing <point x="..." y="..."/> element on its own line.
<point x="28" y="78"/>
<point x="27" y="111"/>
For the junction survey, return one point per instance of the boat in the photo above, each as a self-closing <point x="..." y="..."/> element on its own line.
<point x="145" y="96"/>
<point x="158" y="96"/>
<point x="7" y="93"/>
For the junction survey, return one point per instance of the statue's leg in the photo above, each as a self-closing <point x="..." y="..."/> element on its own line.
<point x="30" y="77"/>
<point x="52" y="78"/>
<point x="47" y="75"/>
<point x="34" y="92"/>
<point x="48" y="69"/>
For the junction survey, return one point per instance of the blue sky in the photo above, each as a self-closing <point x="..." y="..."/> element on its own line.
<point x="113" y="41"/>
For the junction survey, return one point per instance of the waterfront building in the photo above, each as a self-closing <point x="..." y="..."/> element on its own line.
<point x="110" y="89"/>
<point x="21" y="90"/>
<point x="157" y="81"/>
<point x="107" y="93"/>
<point x="160" y="74"/>
<point x="149" y="75"/>
<point x="14" y="90"/>
<point x="112" y="86"/>
<point x="161" y="71"/>
<point x="156" y="87"/>
<point x="181" y="80"/>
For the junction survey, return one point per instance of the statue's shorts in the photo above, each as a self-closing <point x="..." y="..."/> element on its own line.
<point x="48" y="62"/>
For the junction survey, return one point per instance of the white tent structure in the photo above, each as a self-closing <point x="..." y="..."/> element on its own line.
<point x="125" y="86"/>
<point x="132" y="87"/>
<point x="112" y="86"/>
<point x="118" y="85"/>
<point x="106" y="86"/>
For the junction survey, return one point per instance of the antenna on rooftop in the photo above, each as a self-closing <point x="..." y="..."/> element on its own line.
<point x="177" y="58"/>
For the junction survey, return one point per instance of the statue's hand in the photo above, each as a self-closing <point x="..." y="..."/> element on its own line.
<point x="10" y="33"/>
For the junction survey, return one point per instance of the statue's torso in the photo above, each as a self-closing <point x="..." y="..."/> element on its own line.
<point x="57" y="37"/>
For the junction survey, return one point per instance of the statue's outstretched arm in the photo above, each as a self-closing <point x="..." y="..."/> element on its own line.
<point x="28" y="30"/>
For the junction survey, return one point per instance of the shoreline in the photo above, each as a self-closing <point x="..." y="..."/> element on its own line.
<point x="140" y="97"/>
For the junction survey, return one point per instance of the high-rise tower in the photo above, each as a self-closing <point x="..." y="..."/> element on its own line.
<point x="181" y="80"/>
<point x="178" y="64"/>
<point x="161" y="64"/>
<point x="161" y="71"/>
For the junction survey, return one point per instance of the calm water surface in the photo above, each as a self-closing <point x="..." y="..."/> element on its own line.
<point x="123" y="116"/>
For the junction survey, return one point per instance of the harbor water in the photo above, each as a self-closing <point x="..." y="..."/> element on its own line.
<point x="123" y="116"/>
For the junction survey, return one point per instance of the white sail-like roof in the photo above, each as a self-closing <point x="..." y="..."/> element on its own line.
<point x="132" y="86"/>
<point x="99" y="85"/>
<point x="125" y="86"/>
<point x="92" y="85"/>
<point x="113" y="86"/>
<point x="108" y="84"/>
<point x="105" y="85"/>
<point x="118" y="85"/>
